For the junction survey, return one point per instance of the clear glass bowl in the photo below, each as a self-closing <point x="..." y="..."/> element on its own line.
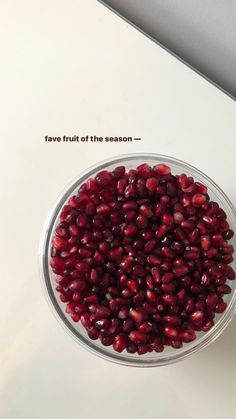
<point x="77" y="331"/>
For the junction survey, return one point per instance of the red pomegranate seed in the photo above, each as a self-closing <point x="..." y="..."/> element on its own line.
<point x="187" y="336"/>
<point x="138" y="337"/>
<point x="211" y="300"/>
<point x="149" y="246"/>
<point x="162" y="169"/>
<point x="230" y="274"/>
<point x="137" y="316"/>
<point x="228" y="234"/>
<point x="103" y="210"/>
<point x="169" y="299"/>
<point x="197" y="316"/>
<point x="178" y="217"/>
<point x="57" y="264"/>
<point x="167" y="277"/>
<point x="151" y="184"/>
<point x="180" y="271"/>
<point x="205" y="242"/>
<point x="170" y="331"/>
<point x="146" y="211"/>
<point x="59" y="243"/>
<point x="198" y="200"/>
<point x="168" y="219"/>
<point x="220" y="307"/>
<point x="156" y="273"/>
<point x="120" y="343"/>
<point x="154" y="260"/>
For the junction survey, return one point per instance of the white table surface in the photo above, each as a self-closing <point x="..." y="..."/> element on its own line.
<point x="75" y="68"/>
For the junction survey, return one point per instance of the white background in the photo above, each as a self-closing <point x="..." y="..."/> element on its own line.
<point x="72" y="67"/>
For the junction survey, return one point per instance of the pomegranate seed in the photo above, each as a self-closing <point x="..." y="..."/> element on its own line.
<point x="103" y="210"/>
<point x="120" y="343"/>
<point x="211" y="300"/>
<point x="116" y="254"/>
<point x="167" y="277"/>
<point x="156" y="273"/>
<point x="168" y="219"/>
<point x="169" y="299"/>
<point x="154" y="260"/>
<point x="151" y="184"/>
<point x="162" y="169"/>
<point x="197" y="316"/>
<point x="138" y="337"/>
<point x="230" y="273"/>
<point x="146" y="211"/>
<point x="228" y="234"/>
<point x="137" y="316"/>
<point x="149" y="246"/>
<point x="178" y="217"/>
<point x="145" y="327"/>
<point x="186" y="336"/>
<point x="198" y="200"/>
<point x="220" y="307"/>
<point x="170" y="331"/>
<point x="130" y="191"/>
<point x="103" y="178"/>
<point x="59" y="243"/>
<point x="205" y="242"/>
<point x="180" y="271"/>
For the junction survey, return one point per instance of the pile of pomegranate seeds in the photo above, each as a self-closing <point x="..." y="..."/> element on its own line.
<point x="142" y="259"/>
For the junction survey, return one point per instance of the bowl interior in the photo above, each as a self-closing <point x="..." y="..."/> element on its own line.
<point x="77" y="330"/>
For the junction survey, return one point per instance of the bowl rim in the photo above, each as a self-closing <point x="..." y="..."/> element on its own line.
<point x="44" y="246"/>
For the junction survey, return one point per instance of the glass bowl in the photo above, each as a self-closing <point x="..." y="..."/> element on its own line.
<point x="77" y="331"/>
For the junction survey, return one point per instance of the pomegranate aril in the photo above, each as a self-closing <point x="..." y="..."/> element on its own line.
<point x="120" y="343"/>
<point x="127" y="262"/>
<point x="133" y="286"/>
<point x="228" y="234"/>
<point x="154" y="260"/>
<point x="59" y="243"/>
<point x="130" y="191"/>
<point x="149" y="246"/>
<point x="162" y="169"/>
<point x="178" y="217"/>
<point x="151" y="184"/>
<point x="102" y="311"/>
<point x="131" y="348"/>
<point x="128" y="325"/>
<point x="138" y="337"/>
<point x="224" y="289"/>
<point x="167" y="277"/>
<point x="220" y="307"/>
<point x="152" y="296"/>
<point x="170" y="331"/>
<point x="103" y="178"/>
<point x="197" y="316"/>
<point x="57" y="264"/>
<point x="130" y="230"/>
<point x="137" y="316"/>
<point x="167" y="219"/>
<point x="230" y="274"/>
<point x="156" y="273"/>
<point x="227" y="259"/>
<point x="169" y="299"/>
<point x="180" y="271"/>
<point x="139" y="270"/>
<point x="198" y="200"/>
